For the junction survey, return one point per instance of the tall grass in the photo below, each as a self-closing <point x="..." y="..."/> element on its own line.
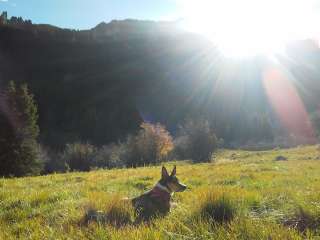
<point x="243" y="195"/>
<point x="115" y="211"/>
<point x="217" y="209"/>
<point x="304" y="220"/>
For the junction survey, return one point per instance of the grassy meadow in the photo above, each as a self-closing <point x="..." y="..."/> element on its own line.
<point x="259" y="198"/>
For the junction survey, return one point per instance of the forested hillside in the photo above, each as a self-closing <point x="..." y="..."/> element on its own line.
<point x="98" y="85"/>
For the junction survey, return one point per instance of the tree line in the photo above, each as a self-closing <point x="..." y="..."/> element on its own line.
<point x="22" y="155"/>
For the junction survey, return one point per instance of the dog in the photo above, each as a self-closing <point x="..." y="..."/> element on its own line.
<point x="156" y="202"/>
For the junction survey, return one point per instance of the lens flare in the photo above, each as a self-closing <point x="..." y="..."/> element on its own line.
<point x="287" y="103"/>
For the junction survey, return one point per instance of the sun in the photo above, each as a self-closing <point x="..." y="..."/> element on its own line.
<point x="242" y="28"/>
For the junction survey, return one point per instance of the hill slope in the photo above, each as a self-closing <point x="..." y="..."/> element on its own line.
<point x="98" y="85"/>
<point x="273" y="200"/>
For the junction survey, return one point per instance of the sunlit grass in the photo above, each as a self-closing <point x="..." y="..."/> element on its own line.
<point x="264" y="199"/>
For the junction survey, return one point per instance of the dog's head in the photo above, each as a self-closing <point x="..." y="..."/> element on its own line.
<point x="171" y="181"/>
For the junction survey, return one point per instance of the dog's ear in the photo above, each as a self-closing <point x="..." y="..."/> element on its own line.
<point x="164" y="173"/>
<point x="174" y="171"/>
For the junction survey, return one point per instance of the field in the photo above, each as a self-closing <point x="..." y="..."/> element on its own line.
<point x="268" y="199"/>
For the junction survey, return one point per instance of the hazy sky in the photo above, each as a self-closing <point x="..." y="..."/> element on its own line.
<point x="83" y="14"/>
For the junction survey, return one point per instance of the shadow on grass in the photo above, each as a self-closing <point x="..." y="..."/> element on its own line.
<point x="115" y="217"/>
<point x="303" y="220"/>
<point x="115" y="212"/>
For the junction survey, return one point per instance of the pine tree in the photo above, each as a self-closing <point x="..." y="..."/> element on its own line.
<point x="19" y="154"/>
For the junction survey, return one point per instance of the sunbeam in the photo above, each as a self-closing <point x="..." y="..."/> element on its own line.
<point x="251" y="27"/>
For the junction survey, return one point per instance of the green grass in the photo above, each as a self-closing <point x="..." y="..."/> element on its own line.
<point x="247" y="195"/>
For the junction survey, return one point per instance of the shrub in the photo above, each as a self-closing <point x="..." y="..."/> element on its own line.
<point x="54" y="161"/>
<point x="110" y="156"/>
<point x="180" y="148"/>
<point x="79" y="156"/>
<point x="151" y="145"/>
<point x="219" y="210"/>
<point x="19" y="153"/>
<point x="198" y="140"/>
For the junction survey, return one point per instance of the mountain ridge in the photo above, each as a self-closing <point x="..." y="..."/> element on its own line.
<point x="98" y="85"/>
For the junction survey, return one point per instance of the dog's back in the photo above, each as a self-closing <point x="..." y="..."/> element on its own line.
<point x="150" y="205"/>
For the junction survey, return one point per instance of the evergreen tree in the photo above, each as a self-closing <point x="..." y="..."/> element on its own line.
<point x="19" y="153"/>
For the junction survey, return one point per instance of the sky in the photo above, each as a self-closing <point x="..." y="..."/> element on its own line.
<point x="85" y="14"/>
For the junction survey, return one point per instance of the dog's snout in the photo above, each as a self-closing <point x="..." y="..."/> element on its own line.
<point x="183" y="187"/>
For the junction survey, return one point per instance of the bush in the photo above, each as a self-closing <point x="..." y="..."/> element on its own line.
<point x="219" y="210"/>
<point x="180" y="148"/>
<point x="54" y="162"/>
<point x="110" y="156"/>
<point x="151" y="145"/>
<point x="79" y="156"/>
<point x="197" y="141"/>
